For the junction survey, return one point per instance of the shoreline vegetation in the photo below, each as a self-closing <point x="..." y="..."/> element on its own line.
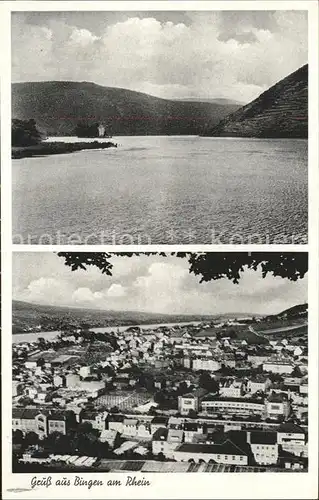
<point x="53" y="148"/>
<point x="28" y="141"/>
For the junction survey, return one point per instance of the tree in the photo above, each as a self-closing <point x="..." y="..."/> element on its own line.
<point x="192" y="414"/>
<point x="24" y="133"/>
<point x="17" y="437"/>
<point x="207" y="265"/>
<point x="31" y="438"/>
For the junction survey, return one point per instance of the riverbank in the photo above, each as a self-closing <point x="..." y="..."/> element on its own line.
<point x="54" y="148"/>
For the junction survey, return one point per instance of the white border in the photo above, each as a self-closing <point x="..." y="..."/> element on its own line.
<point x="175" y="485"/>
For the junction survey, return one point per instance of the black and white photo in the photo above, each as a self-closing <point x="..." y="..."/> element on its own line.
<point x="168" y="127"/>
<point x="152" y="363"/>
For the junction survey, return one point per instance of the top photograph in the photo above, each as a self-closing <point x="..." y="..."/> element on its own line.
<point x="159" y="127"/>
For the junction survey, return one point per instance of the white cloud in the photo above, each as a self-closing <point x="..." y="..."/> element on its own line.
<point x="212" y="56"/>
<point x="154" y="284"/>
<point x="116" y="290"/>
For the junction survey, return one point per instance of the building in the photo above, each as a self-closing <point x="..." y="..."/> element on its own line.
<point x="293" y="439"/>
<point x="42" y="423"/>
<point x="211" y="365"/>
<point x="158" y="422"/>
<point x="277" y="406"/>
<point x="224" y="453"/>
<point x="59" y="381"/>
<point x="115" y="422"/>
<point x="211" y="404"/>
<point x="166" y="441"/>
<point x="97" y="420"/>
<point x="258" y="384"/>
<point x="85" y="371"/>
<point x="72" y="380"/>
<point x="190" y="401"/>
<point x="264" y="447"/>
<point x="17" y="388"/>
<point x="190" y="430"/>
<point x="278" y="366"/>
<point x="110" y="437"/>
<point x="230" y="388"/>
<point x="130" y="427"/>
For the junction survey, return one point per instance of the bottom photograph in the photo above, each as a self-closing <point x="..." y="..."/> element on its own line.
<point x="159" y="362"/>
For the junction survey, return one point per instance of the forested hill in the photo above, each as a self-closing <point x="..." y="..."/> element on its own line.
<point x="58" y="106"/>
<point x="26" y="315"/>
<point x="281" y="111"/>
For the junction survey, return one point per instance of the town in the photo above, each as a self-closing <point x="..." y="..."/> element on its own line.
<point x="224" y="397"/>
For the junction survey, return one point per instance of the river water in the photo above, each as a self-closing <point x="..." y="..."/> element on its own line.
<point x="168" y="189"/>
<point x="33" y="337"/>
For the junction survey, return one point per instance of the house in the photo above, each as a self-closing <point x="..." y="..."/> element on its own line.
<point x="144" y="430"/>
<point x="97" y="420"/>
<point x="224" y="453"/>
<point x="277" y="406"/>
<point x="231" y="388"/>
<point x="17" y="388"/>
<point x="258" y="384"/>
<point x="264" y="447"/>
<point x="211" y="365"/>
<point x="190" y="430"/>
<point x="159" y="441"/>
<point x="85" y="371"/>
<point x="158" y="422"/>
<point x="109" y="436"/>
<point x="278" y="366"/>
<point x="42" y="423"/>
<point x="130" y="427"/>
<point x="166" y="441"/>
<point x="59" y="381"/>
<point x="115" y="422"/>
<point x="292" y="438"/>
<point x="190" y="401"/>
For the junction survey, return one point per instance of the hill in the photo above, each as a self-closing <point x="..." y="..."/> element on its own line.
<point x="216" y="100"/>
<point x="58" y="106"/>
<point x="27" y="316"/>
<point x="281" y="111"/>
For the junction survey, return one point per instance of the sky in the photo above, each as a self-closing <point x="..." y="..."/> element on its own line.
<point x="179" y="54"/>
<point x="149" y="283"/>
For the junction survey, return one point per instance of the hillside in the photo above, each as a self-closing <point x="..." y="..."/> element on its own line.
<point x="58" y="106"/>
<point x="281" y="111"/>
<point x="28" y="316"/>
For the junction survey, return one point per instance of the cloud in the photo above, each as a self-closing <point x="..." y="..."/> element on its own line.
<point x="150" y="283"/>
<point x="206" y="54"/>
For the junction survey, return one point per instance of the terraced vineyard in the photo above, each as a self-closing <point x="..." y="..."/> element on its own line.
<point x="281" y="111"/>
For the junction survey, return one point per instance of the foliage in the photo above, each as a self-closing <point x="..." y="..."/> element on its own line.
<point x="24" y="133"/>
<point x="84" y="129"/>
<point x="207" y="265"/>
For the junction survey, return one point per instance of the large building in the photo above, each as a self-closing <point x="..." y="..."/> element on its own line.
<point x="232" y="406"/>
<point x="224" y="453"/>
<point x="42" y="422"/>
<point x="264" y="447"/>
<point x="277" y="406"/>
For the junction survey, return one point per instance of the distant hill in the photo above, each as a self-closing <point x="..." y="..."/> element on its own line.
<point x="299" y="311"/>
<point x="217" y="100"/>
<point x="58" y="106"/>
<point x="26" y="315"/>
<point x="281" y="111"/>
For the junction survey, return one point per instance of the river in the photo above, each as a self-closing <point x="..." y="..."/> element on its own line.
<point x="164" y="190"/>
<point x="33" y="337"/>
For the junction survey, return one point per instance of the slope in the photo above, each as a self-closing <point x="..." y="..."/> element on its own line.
<point x="281" y="111"/>
<point x="58" y="106"/>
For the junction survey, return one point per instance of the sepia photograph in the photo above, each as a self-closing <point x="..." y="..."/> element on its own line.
<point x="159" y="127"/>
<point x="140" y="363"/>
